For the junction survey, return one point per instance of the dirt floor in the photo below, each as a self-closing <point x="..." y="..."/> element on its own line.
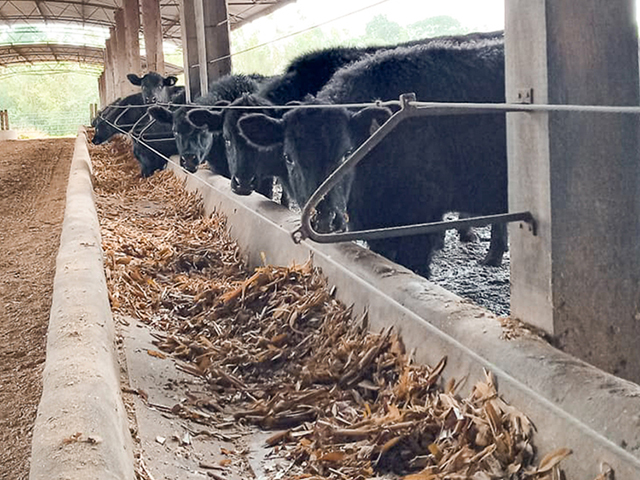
<point x="33" y="182"/>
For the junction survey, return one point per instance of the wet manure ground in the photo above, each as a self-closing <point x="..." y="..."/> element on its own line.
<point x="277" y="351"/>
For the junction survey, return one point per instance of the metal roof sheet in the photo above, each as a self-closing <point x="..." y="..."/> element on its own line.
<point x="16" y="54"/>
<point x="100" y="13"/>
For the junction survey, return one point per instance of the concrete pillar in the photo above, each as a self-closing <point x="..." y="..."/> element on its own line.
<point x="102" y="94"/>
<point x="112" y="67"/>
<point x="152" y="28"/>
<point x="190" y="48"/>
<point x="106" y="75"/>
<point x="131" y="11"/>
<point x="121" y="54"/>
<point x="212" y="30"/>
<point x="579" y="174"/>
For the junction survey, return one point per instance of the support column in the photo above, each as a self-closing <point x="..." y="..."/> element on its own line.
<point x="121" y="54"/>
<point x="579" y="174"/>
<point x="131" y="11"/>
<point x="152" y="28"/>
<point x="106" y="74"/>
<point x="112" y="67"/>
<point x="102" y="88"/>
<point x="190" y="48"/>
<point x="212" y="29"/>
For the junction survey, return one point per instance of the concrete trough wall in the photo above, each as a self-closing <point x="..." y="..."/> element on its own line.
<point x="571" y="403"/>
<point x="81" y="430"/>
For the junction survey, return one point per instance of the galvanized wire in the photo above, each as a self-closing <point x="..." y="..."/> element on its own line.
<point x="437" y="108"/>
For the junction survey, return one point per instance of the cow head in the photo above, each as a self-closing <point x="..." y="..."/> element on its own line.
<point x="194" y="142"/>
<point x="155" y="87"/>
<point x="248" y="167"/>
<point x="123" y="113"/>
<point x="314" y="142"/>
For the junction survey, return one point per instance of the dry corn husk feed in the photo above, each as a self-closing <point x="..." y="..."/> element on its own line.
<point x="280" y="352"/>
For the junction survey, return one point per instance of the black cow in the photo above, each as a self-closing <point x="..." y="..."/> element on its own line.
<point x="198" y="144"/>
<point x="305" y="75"/>
<point x="308" y="73"/>
<point x="426" y="167"/>
<point x="156" y="88"/>
<point x="124" y="113"/>
<point x="248" y="171"/>
<point x="153" y="142"/>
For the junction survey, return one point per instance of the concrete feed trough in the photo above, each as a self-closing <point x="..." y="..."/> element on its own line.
<point x="572" y="404"/>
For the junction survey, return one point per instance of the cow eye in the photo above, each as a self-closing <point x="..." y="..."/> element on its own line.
<point x="347" y="154"/>
<point x="288" y="159"/>
<point x="227" y="142"/>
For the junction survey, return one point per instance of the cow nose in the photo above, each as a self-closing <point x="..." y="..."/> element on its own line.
<point x="241" y="188"/>
<point x="189" y="162"/>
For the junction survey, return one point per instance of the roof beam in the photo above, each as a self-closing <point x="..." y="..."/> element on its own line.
<point x="103" y="6"/>
<point x="45" y="15"/>
<point x="18" y="50"/>
<point x="53" y="52"/>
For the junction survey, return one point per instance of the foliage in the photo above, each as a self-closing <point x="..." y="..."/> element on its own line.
<point x="383" y="31"/>
<point x="435" y="26"/>
<point x="54" y="104"/>
<point x="254" y="55"/>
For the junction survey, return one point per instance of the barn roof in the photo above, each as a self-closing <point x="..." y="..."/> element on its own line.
<point x="100" y="13"/>
<point x="17" y="54"/>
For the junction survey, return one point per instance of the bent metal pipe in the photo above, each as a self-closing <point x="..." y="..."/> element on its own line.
<point x="407" y="109"/>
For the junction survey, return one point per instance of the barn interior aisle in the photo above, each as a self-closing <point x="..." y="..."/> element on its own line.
<point x="33" y="182"/>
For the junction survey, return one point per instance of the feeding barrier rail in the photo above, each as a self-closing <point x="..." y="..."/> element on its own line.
<point x="409" y="107"/>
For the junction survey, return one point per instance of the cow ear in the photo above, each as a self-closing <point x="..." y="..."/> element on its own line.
<point x="170" y="81"/>
<point x="261" y="131"/>
<point x="135" y="79"/>
<point x="222" y="103"/>
<point x="205" y="119"/>
<point x="161" y="114"/>
<point x="367" y="121"/>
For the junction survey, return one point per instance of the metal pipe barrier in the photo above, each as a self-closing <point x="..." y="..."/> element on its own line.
<point x="409" y="107"/>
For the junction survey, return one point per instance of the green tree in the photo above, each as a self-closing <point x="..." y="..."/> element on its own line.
<point x="24" y="34"/>
<point x="434" y="27"/>
<point x="381" y="31"/>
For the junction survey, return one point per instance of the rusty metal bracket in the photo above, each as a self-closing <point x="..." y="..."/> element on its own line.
<point x="524" y="95"/>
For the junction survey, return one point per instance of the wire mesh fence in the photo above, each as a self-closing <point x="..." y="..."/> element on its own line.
<point x="43" y="124"/>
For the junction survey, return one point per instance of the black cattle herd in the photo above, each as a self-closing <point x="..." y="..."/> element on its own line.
<point x="427" y="166"/>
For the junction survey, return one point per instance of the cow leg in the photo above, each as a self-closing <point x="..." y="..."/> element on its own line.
<point x="497" y="246"/>
<point x="466" y="235"/>
<point x="414" y="253"/>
